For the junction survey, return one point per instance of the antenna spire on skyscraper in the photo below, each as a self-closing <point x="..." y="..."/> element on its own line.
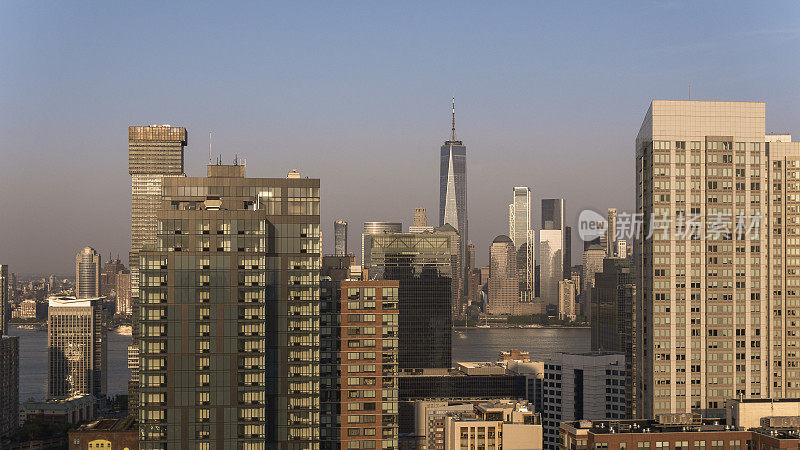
<point x="453" y="129"/>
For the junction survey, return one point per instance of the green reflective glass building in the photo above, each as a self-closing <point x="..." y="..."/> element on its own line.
<point x="229" y="314"/>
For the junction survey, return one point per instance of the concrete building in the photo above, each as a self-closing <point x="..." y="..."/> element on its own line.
<point x="427" y="265"/>
<point x="581" y="386"/>
<point x="108" y="277"/>
<point x="420" y="217"/>
<point x="524" y="237"/>
<point x="613" y="319"/>
<point x="748" y="413"/>
<point x="453" y="189"/>
<point x="123" y="291"/>
<point x="76" y="347"/>
<point x="611" y="233"/>
<point x="593" y="256"/>
<point x="503" y="277"/>
<point x="230" y="319"/>
<point x="87" y="273"/>
<point x="622" y="249"/>
<point x="106" y="434"/>
<point x="492" y="426"/>
<point x="369" y="364"/>
<point x="5" y="299"/>
<point x="718" y="259"/>
<point x="31" y="310"/>
<point x="567" y="309"/>
<point x="9" y="385"/>
<point x="551" y="251"/>
<point x="340" y="237"/>
<point x="373" y="228"/>
<point x="71" y="410"/>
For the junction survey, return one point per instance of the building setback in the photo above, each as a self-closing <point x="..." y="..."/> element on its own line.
<point x="229" y="303"/>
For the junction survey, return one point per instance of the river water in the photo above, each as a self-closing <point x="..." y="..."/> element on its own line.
<point x="474" y="344"/>
<point x="33" y="362"/>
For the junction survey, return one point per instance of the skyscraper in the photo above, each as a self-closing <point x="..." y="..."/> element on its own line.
<point x="567" y="309"/>
<point x="230" y="314"/>
<point x="123" y="289"/>
<point x="503" y="277"/>
<point x="371" y="228"/>
<point x="108" y="276"/>
<point x="5" y="306"/>
<point x="551" y="251"/>
<point x="523" y="236"/>
<point x="453" y="187"/>
<point x="87" y="273"/>
<point x="9" y="385"/>
<point x="425" y="264"/>
<point x="712" y="319"/>
<point x="76" y="346"/>
<point x="340" y="237"/>
<point x="611" y="233"/>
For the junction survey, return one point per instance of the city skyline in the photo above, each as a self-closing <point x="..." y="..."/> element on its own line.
<point x="520" y="111"/>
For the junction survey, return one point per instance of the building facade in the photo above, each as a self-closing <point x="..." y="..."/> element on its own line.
<point x="123" y="290"/>
<point x="5" y="303"/>
<point x="9" y="385"/>
<point x="76" y="347"/>
<point x="230" y="301"/>
<point x="613" y="319"/>
<point x="567" y="308"/>
<point x="710" y="282"/>
<point x="551" y="251"/>
<point x="340" y="237"/>
<point x="426" y="264"/>
<point x="372" y="228"/>
<point x="580" y="386"/>
<point x="87" y="273"/>
<point x="503" y="277"/>
<point x="522" y="234"/>
<point x="369" y="364"/>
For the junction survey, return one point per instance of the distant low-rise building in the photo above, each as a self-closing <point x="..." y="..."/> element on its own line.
<point x="106" y="434"/>
<point x="748" y="413"/>
<point x="72" y="410"/>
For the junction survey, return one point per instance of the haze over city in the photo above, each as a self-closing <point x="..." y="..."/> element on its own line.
<point x="358" y="95"/>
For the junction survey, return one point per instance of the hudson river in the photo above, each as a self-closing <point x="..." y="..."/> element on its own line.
<point x="474" y="344"/>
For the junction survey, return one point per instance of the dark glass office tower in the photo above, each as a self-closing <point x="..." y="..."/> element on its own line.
<point x="229" y="304"/>
<point x="453" y="188"/>
<point x="425" y="265"/>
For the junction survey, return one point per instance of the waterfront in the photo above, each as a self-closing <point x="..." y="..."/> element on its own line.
<point x="33" y="362"/>
<point x="484" y="344"/>
<point x="472" y="344"/>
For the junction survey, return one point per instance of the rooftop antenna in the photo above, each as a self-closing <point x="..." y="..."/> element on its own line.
<point x="690" y="91"/>
<point x="209" y="147"/>
<point x="453" y="129"/>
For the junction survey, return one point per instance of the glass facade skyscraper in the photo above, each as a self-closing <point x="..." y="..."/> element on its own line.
<point x="87" y="273"/>
<point x="425" y="264"/>
<point x="230" y="304"/>
<point x="523" y="236"/>
<point x="340" y="237"/>
<point x="453" y="189"/>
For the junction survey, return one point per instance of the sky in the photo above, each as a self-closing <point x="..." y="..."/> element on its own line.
<point x="548" y="95"/>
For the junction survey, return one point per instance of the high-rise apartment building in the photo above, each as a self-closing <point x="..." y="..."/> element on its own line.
<point x="453" y="188"/>
<point x="613" y="318"/>
<point x="579" y="386"/>
<point x="714" y="264"/>
<point x="611" y="232"/>
<point x="371" y="228"/>
<point x="9" y="385"/>
<point x="229" y="346"/>
<point x="426" y="265"/>
<point x="123" y="289"/>
<point x="76" y="347"/>
<point x="567" y="291"/>
<point x="340" y="237"/>
<point x="551" y="251"/>
<point x="503" y="277"/>
<point x="369" y="364"/>
<point x="87" y="273"/>
<point x="5" y="305"/>
<point x="523" y="236"/>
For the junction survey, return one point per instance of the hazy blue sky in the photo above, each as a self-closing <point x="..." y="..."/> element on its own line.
<point x="548" y="94"/>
